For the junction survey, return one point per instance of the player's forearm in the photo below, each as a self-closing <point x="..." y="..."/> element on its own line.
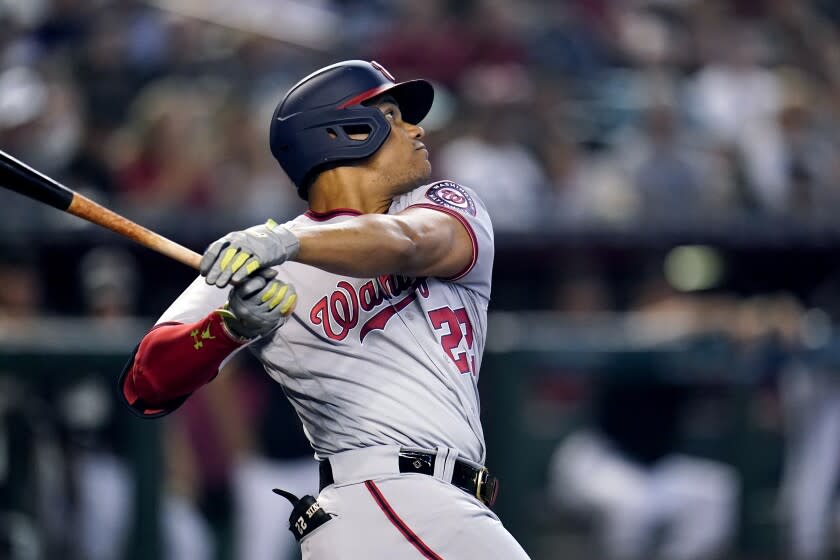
<point x="173" y="360"/>
<point x="366" y="246"/>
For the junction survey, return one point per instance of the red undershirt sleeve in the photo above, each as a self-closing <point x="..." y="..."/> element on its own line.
<point x="172" y="361"/>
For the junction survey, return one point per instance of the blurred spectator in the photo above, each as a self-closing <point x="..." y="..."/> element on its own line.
<point x="32" y="493"/>
<point x="633" y="498"/>
<point x="20" y="298"/>
<point x="40" y="120"/>
<point x="228" y="450"/>
<point x="444" y="36"/>
<point x="280" y="456"/>
<point x="666" y="180"/>
<point x="102" y="479"/>
<point x="490" y="158"/>
<point x="109" y="283"/>
<point x="666" y="170"/>
<point x="733" y="94"/>
<point x="794" y="153"/>
<point x="248" y="179"/>
<point x="186" y="532"/>
<point x="810" y="394"/>
<point x="566" y="45"/>
<point x="625" y="471"/>
<point x="90" y="169"/>
<point x="104" y="70"/>
<point x="584" y="187"/>
<point x="203" y="442"/>
<point x="169" y="144"/>
<point x="811" y="397"/>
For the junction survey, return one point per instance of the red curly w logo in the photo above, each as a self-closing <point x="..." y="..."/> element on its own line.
<point x="339" y="313"/>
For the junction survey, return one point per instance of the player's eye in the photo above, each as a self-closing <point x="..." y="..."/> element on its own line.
<point x="389" y="113"/>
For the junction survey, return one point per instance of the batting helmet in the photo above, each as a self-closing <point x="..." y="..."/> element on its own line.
<point x="311" y="127"/>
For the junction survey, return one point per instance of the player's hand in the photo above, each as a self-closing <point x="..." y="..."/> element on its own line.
<point x="235" y="256"/>
<point x="258" y="305"/>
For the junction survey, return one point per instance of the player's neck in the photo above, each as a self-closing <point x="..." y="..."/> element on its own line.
<point x="346" y="188"/>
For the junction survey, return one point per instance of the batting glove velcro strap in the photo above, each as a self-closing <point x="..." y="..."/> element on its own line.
<point x="237" y="255"/>
<point x="259" y="305"/>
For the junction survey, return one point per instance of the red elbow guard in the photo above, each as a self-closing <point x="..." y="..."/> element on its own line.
<point x="172" y="361"/>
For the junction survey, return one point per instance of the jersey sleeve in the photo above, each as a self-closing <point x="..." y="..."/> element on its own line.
<point x="195" y="302"/>
<point x="463" y="204"/>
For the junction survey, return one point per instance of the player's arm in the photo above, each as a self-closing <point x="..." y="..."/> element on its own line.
<point x="176" y="358"/>
<point x="172" y="361"/>
<point x="417" y="242"/>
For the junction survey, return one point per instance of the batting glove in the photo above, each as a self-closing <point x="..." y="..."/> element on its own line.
<point x="259" y="305"/>
<point x="232" y="258"/>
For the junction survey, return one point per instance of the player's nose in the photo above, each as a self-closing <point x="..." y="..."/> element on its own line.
<point x="416" y="131"/>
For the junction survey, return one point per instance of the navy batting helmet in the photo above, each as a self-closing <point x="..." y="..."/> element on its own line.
<point x="311" y="127"/>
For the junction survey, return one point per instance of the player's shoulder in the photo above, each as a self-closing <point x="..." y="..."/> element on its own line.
<point x="446" y="194"/>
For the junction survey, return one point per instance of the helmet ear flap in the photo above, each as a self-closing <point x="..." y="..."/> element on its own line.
<point x="350" y="132"/>
<point x="357" y="132"/>
<point x="305" y="144"/>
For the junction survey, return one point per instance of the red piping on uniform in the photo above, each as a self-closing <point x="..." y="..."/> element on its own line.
<point x="324" y="216"/>
<point x="392" y="516"/>
<point x="469" y="229"/>
<point x="365" y="95"/>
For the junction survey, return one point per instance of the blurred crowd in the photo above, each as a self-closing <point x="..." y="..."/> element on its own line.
<point x="610" y="116"/>
<point x="586" y="113"/>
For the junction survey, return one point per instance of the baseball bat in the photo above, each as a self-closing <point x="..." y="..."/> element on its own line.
<point x="19" y="177"/>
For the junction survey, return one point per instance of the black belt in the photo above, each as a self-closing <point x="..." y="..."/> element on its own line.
<point x="475" y="481"/>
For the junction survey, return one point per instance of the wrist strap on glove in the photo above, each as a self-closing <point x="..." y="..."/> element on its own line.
<point x="288" y="239"/>
<point x="229" y="322"/>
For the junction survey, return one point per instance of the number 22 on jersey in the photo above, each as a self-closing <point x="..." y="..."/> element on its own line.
<point x="456" y="326"/>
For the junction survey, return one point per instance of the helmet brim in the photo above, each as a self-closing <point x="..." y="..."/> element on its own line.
<point x="415" y="98"/>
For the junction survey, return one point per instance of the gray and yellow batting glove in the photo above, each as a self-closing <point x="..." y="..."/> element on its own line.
<point x="259" y="305"/>
<point x="237" y="255"/>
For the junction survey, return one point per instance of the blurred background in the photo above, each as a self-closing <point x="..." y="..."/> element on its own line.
<point x="661" y="377"/>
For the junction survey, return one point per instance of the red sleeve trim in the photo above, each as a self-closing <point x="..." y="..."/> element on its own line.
<point x="324" y="216"/>
<point x="470" y="231"/>
<point x="172" y="361"/>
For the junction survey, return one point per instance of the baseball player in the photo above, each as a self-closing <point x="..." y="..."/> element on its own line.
<point x="370" y="311"/>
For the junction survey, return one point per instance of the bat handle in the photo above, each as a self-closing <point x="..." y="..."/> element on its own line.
<point x="87" y="209"/>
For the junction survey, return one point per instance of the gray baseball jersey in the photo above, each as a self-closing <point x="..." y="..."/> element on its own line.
<point x="380" y="361"/>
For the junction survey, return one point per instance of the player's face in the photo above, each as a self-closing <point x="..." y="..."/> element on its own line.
<point x="403" y="160"/>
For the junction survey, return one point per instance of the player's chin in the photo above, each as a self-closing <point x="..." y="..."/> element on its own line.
<point x="418" y="176"/>
<point x="423" y="169"/>
<point x="423" y="174"/>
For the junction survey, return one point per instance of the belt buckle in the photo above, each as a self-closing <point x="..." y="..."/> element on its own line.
<point x="486" y="487"/>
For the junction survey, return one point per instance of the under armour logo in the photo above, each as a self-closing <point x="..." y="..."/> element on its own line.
<point x="198" y="344"/>
<point x="205" y="335"/>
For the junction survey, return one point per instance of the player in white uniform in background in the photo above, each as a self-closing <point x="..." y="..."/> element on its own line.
<point x="371" y="311"/>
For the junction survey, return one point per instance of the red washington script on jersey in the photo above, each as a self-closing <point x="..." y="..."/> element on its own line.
<point x="339" y="312"/>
